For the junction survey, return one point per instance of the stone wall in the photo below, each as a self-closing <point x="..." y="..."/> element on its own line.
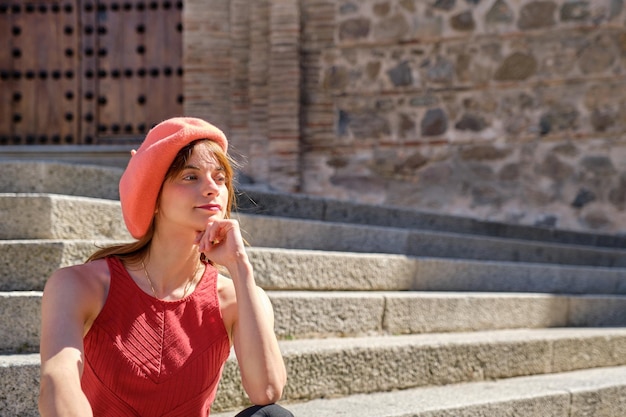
<point x="497" y="109"/>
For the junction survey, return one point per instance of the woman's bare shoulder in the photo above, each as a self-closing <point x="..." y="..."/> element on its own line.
<point x="77" y="291"/>
<point x="87" y="280"/>
<point x="87" y="274"/>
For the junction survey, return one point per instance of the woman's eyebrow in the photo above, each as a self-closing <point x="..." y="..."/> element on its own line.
<point x="217" y="167"/>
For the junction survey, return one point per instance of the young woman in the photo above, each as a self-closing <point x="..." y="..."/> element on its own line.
<point x="144" y="329"/>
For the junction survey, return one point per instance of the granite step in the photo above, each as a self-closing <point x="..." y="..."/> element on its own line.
<point x="60" y="178"/>
<point x="26" y="264"/>
<point x="586" y="393"/>
<point x="19" y="397"/>
<point x="387" y="311"/>
<point x="46" y="216"/>
<point x="327" y="368"/>
<point x="326" y="314"/>
<point x="301" y="315"/>
<point x="318" y="270"/>
<point x="277" y="232"/>
<point x="52" y="216"/>
<point x="258" y="201"/>
<point x="344" y="367"/>
<point x="102" y="182"/>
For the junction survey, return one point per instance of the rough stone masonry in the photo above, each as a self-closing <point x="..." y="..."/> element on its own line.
<point x="503" y="110"/>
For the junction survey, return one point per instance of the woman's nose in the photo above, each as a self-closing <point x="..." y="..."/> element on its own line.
<point x="210" y="186"/>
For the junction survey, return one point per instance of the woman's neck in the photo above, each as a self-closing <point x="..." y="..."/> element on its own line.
<point x="171" y="268"/>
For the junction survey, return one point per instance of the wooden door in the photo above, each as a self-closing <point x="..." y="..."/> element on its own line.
<point x="88" y="72"/>
<point x="38" y="73"/>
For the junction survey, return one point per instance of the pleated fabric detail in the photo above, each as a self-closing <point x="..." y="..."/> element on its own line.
<point x="148" y="357"/>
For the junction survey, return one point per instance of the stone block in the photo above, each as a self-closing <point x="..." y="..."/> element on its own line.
<point x="27" y="264"/>
<point x="467" y="275"/>
<point x="452" y="245"/>
<point x="324" y="314"/>
<point x="250" y="201"/>
<point x="586" y="350"/>
<point x="297" y="234"/>
<point x="593" y="401"/>
<point x="597" y="310"/>
<point x="50" y="216"/>
<point x="278" y="269"/>
<point x="60" y="178"/>
<point x="20" y="387"/>
<point x="419" y="312"/>
<point x="19" y="330"/>
<point x="22" y="216"/>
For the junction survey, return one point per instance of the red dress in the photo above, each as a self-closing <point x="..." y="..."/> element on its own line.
<point x="146" y="357"/>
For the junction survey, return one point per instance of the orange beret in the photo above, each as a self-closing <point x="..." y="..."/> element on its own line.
<point x="141" y="182"/>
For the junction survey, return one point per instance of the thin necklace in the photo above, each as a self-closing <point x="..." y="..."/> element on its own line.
<point x="190" y="281"/>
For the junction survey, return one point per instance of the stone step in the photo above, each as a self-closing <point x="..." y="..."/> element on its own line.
<point x="102" y="182"/>
<point x="300" y="315"/>
<point x="333" y="368"/>
<point x="277" y="232"/>
<point x="46" y="216"/>
<point x="317" y="270"/>
<point x="52" y="216"/>
<point x="327" y="368"/>
<point x="587" y="393"/>
<point x="60" y="178"/>
<point x="356" y="313"/>
<point x="19" y="397"/>
<point x="26" y="264"/>
<point x="393" y="339"/>
<point x="299" y="206"/>
<point x="20" y="328"/>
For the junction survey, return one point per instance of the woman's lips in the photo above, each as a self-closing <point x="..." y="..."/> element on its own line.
<point x="210" y="207"/>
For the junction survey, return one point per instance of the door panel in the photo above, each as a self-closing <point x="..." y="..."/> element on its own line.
<point x="87" y="72"/>
<point x="37" y="74"/>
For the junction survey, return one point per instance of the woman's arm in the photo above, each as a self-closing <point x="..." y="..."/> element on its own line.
<point x="67" y="304"/>
<point x="261" y="363"/>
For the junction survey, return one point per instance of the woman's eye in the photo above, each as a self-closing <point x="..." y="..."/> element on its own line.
<point x="189" y="177"/>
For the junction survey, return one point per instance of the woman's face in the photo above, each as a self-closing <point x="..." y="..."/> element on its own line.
<point x="195" y="194"/>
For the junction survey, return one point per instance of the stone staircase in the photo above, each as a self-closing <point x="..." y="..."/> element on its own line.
<point x="381" y="312"/>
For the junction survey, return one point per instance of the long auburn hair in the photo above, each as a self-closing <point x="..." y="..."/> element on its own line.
<point x="135" y="251"/>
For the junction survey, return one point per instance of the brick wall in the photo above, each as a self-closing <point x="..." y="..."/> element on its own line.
<point x="496" y="109"/>
<point x="242" y="72"/>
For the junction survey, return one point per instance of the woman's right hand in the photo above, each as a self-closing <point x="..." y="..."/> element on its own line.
<point x="222" y="243"/>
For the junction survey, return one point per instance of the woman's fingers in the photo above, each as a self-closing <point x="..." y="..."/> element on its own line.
<point x="216" y="232"/>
